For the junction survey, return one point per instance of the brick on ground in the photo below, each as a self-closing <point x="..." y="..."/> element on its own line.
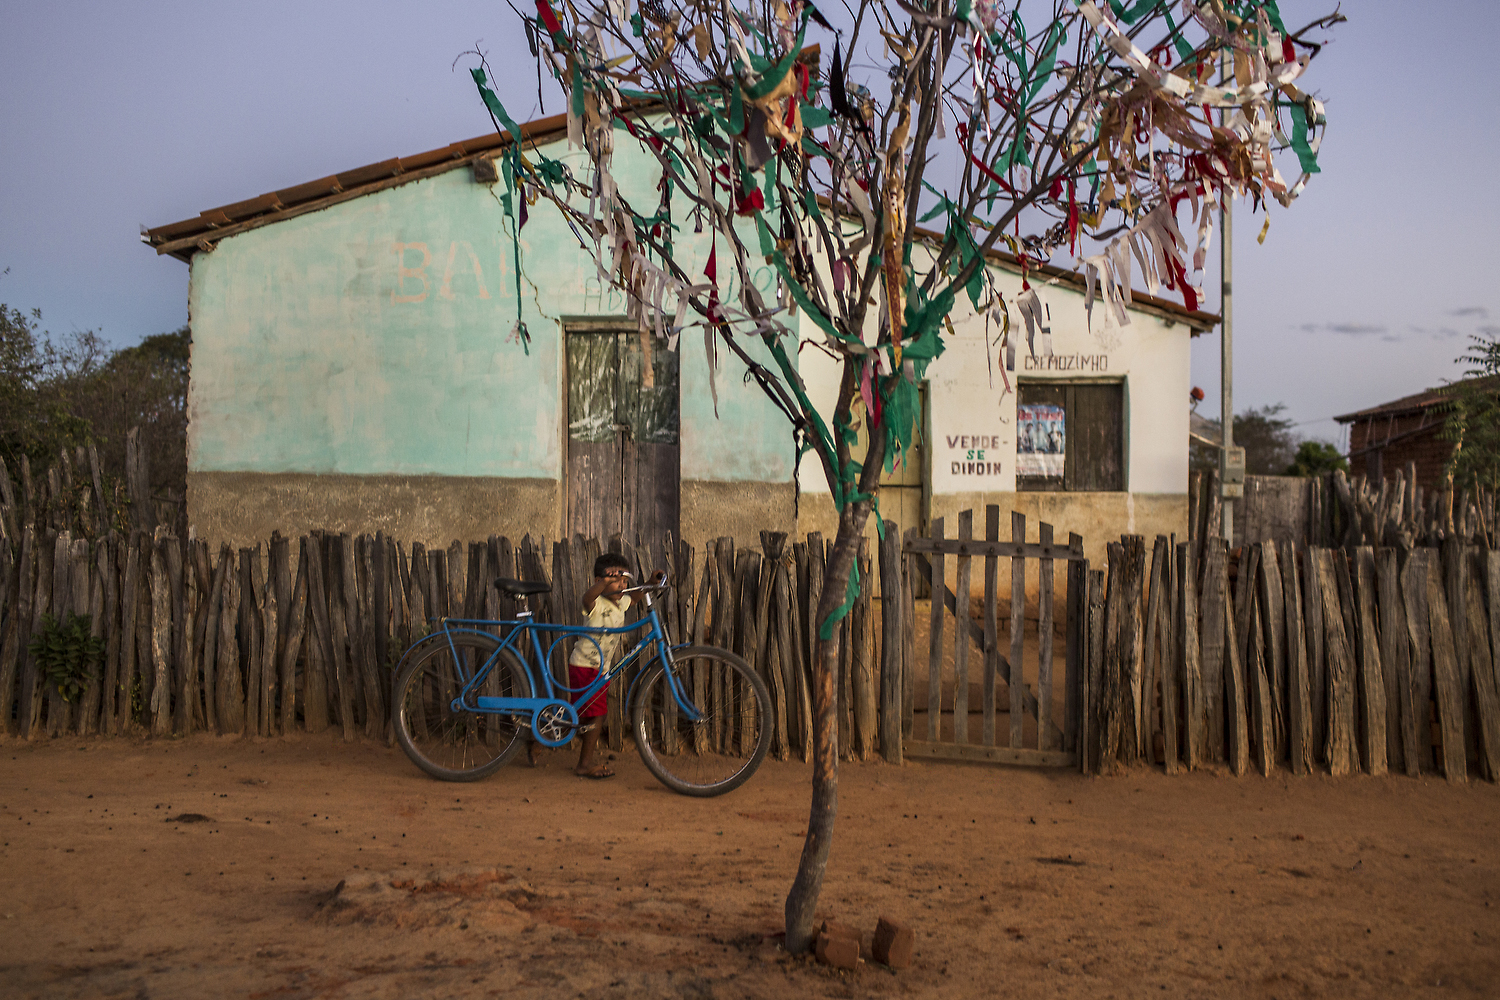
<point x="893" y="943"/>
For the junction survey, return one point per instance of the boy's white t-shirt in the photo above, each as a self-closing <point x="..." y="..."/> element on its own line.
<point x="607" y="613"/>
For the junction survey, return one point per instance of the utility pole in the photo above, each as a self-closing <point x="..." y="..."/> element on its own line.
<point x="1231" y="459"/>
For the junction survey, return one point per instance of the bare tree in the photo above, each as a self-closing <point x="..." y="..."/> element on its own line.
<point x="1069" y="128"/>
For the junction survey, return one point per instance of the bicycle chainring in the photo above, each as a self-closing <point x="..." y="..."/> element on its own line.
<point x="555" y="723"/>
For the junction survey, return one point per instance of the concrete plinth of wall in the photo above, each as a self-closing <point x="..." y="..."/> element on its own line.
<point x="244" y="508"/>
<point x="739" y="510"/>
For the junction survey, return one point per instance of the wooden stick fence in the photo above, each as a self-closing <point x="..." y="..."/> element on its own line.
<point x="283" y="637"/>
<point x="1317" y="659"/>
<point x="1365" y="657"/>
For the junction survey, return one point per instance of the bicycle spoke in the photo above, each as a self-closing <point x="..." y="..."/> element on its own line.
<point x="717" y="753"/>
<point x="458" y="746"/>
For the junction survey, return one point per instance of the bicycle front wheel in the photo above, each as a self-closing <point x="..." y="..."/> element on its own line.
<point x="718" y="753"/>
<point x="458" y="746"/>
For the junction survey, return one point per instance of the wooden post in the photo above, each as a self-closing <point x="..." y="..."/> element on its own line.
<point x="962" y="591"/>
<point x="1414" y="603"/>
<point x="1447" y="689"/>
<point x="138" y="483"/>
<point x="1155" y="643"/>
<point x="991" y="626"/>
<point x="338" y="621"/>
<point x="1077" y="621"/>
<point x="910" y="580"/>
<point x="1299" y="704"/>
<point x="62" y="603"/>
<point x="87" y="722"/>
<point x="1017" y="680"/>
<point x="1273" y="621"/>
<point x="1211" y="615"/>
<point x="772" y="544"/>
<point x="1340" y="752"/>
<point x="295" y="616"/>
<point x="1371" y="674"/>
<point x="41" y="604"/>
<point x="269" y="673"/>
<point x="17" y="630"/>
<point x="1238" y="749"/>
<point x="1132" y="636"/>
<point x="184" y="684"/>
<point x="229" y="692"/>
<point x="1109" y="695"/>
<point x="1171" y="673"/>
<point x="792" y="676"/>
<point x="109" y="689"/>
<point x="863" y="672"/>
<point x="1455" y="583"/>
<point x="1188" y="652"/>
<point x="935" y="643"/>
<point x="1089" y="742"/>
<point x="1317" y="672"/>
<point x="1395" y="661"/>
<point x="380" y="596"/>
<point x="360" y="663"/>
<point x="1044" y="643"/>
<point x="251" y="581"/>
<point x="161" y="643"/>
<point x="891" y="609"/>
<point x="1481" y="674"/>
<point x="319" y="641"/>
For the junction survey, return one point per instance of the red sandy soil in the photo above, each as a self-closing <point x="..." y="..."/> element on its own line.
<point x="537" y="883"/>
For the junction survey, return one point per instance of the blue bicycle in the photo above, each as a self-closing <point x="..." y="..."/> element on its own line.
<point x="466" y="695"/>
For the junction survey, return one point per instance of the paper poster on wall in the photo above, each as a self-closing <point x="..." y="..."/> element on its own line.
<point x="1041" y="439"/>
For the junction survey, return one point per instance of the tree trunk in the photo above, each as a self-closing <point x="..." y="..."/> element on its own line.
<point x="802" y="900"/>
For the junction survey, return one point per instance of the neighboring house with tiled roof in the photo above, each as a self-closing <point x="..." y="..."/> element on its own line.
<point x="1387" y="438"/>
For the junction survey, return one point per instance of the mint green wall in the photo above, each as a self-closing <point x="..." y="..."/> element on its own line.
<point x="374" y="337"/>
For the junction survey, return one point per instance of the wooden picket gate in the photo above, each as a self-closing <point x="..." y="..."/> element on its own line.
<point x="1034" y="735"/>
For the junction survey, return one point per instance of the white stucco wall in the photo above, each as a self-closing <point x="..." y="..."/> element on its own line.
<point x="970" y="398"/>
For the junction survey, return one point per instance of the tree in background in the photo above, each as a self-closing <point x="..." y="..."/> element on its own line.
<point x="1041" y="127"/>
<point x="1269" y="441"/>
<point x="73" y="391"/>
<point x="1314" y="458"/>
<point x="34" y="422"/>
<point x="1473" y="422"/>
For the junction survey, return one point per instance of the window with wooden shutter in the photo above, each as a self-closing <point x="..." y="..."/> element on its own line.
<point x="1070" y="436"/>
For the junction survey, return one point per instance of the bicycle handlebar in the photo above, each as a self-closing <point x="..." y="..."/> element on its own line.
<point x="658" y="583"/>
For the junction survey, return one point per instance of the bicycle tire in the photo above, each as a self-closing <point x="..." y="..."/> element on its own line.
<point x="462" y="746"/>
<point x="719" y="753"/>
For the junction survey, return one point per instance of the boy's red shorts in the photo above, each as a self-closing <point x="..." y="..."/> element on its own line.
<point x="582" y="677"/>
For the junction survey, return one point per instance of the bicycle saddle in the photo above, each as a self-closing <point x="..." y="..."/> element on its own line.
<point x="521" y="588"/>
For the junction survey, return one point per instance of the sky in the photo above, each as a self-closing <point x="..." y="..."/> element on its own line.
<point x="117" y="115"/>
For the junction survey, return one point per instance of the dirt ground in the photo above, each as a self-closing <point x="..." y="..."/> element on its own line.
<point x="538" y="883"/>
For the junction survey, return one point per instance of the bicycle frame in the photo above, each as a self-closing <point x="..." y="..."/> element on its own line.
<point x="468" y="700"/>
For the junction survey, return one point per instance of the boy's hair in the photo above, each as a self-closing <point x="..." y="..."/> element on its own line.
<point x="610" y="560"/>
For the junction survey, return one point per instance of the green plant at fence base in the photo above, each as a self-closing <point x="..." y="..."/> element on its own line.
<point x="67" y="653"/>
<point x="137" y="699"/>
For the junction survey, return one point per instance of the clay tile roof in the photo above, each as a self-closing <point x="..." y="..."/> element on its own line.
<point x="1429" y="399"/>
<point x="183" y="239"/>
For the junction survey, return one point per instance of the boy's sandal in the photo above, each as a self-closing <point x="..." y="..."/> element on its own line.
<point x="597" y="773"/>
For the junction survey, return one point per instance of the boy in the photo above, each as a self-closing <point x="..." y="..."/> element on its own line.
<point x="604" y="606"/>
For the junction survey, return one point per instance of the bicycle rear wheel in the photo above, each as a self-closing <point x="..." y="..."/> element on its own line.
<point x="449" y="745"/>
<point x="720" y="752"/>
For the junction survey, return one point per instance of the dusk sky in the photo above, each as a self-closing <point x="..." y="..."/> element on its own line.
<point x="117" y="115"/>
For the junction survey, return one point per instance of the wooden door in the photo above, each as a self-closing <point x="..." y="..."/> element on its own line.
<point x="623" y="423"/>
